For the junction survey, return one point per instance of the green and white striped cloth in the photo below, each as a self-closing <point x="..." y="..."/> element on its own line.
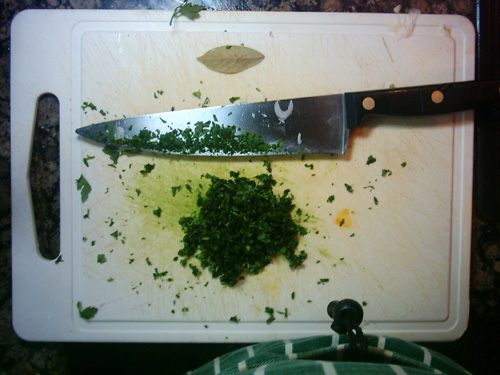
<point x="331" y="355"/>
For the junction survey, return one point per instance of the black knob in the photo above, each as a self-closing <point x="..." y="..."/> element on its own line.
<point x="347" y="315"/>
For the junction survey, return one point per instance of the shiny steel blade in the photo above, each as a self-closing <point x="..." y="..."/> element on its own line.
<point x="304" y="125"/>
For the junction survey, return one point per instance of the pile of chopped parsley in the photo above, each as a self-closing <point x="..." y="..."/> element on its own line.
<point x="240" y="226"/>
<point x="202" y="137"/>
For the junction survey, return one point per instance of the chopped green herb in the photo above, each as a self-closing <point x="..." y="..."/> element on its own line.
<point x="370" y="160"/>
<point x="185" y="309"/>
<point x="113" y="152"/>
<point x="148" y="262"/>
<point x="188" y="10"/>
<point x="188" y="187"/>
<point x="284" y="313"/>
<point x="330" y="199"/>
<point x="323" y="281"/>
<point x="292" y="295"/>
<point x="375" y="200"/>
<point x="202" y="137"/>
<point x="86" y="313"/>
<point x="159" y="275"/>
<point x="234" y="98"/>
<point x="349" y="188"/>
<point x="87" y="214"/>
<point x="257" y="226"/>
<point x="86" y="160"/>
<point x="115" y="234"/>
<point x="110" y="280"/>
<point x="352" y="235"/>
<point x="310" y="166"/>
<point x="270" y="311"/>
<point x="267" y="164"/>
<point x="157" y="212"/>
<point x="234" y="319"/>
<point x="197" y="94"/>
<point x="138" y="192"/>
<point x="195" y="270"/>
<point x="102" y="112"/>
<point x="341" y="222"/>
<point x="84" y="187"/>
<point x="147" y="169"/>
<point x="89" y="105"/>
<point x="364" y="303"/>
<point x="101" y="258"/>
<point x="386" y="172"/>
<point x="59" y="259"/>
<point x="403" y="164"/>
<point x="175" y="189"/>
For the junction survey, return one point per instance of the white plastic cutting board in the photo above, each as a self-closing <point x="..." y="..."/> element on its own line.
<point x="406" y="258"/>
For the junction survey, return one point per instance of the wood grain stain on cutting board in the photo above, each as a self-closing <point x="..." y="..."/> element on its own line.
<point x="392" y="250"/>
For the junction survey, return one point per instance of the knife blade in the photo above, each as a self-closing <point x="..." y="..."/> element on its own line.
<point x="318" y="125"/>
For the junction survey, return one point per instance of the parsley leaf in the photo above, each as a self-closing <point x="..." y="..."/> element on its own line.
<point x="147" y="169"/>
<point x="370" y="160"/>
<point x="84" y="187"/>
<point x="188" y="10"/>
<point x="86" y="313"/>
<point x="386" y="172"/>
<point x="157" y="212"/>
<point x="270" y="311"/>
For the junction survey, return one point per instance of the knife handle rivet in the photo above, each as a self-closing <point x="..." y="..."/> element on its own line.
<point x="368" y="103"/>
<point x="437" y="97"/>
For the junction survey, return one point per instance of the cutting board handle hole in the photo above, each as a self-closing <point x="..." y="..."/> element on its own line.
<point x="44" y="176"/>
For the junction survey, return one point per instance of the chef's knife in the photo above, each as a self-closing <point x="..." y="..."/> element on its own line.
<point x="317" y="124"/>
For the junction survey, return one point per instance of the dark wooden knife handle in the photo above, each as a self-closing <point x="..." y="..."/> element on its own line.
<point x="421" y="100"/>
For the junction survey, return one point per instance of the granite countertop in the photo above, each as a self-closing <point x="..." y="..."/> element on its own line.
<point x="475" y="350"/>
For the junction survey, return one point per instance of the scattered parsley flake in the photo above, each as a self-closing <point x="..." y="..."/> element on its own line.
<point x="157" y="212"/>
<point x="86" y="313"/>
<point x="330" y="199"/>
<point x="349" y="188"/>
<point x="342" y="222"/>
<point x="403" y="164"/>
<point x="147" y="169"/>
<point x="197" y="94"/>
<point x="386" y="172"/>
<point x="86" y="160"/>
<point x="234" y="319"/>
<point x="159" y="275"/>
<point x="175" y="189"/>
<point x="375" y="200"/>
<point x="84" y="187"/>
<point x="323" y="281"/>
<point x="234" y="98"/>
<point x="59" y="259"/>
<point x="270" y="311"/>
<point x="370" y="160"/>
<point x="89" y="105"/>
<point x="101" y="258"/>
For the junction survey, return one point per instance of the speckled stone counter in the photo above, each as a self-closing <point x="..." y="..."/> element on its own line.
<point x="475" y="350"/>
